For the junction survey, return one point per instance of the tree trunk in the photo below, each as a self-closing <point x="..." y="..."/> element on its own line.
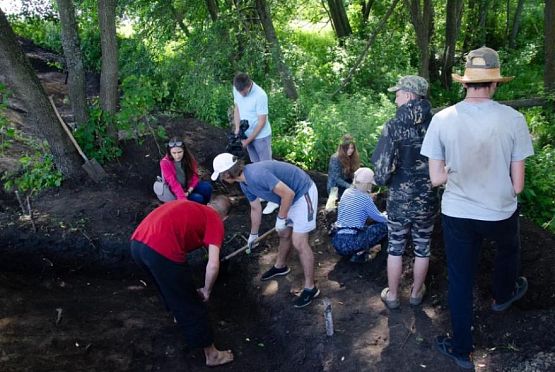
<point x="339" y="18"/>
<point x="179" y="18"/>
<point x="285" y="74"/>
<point x="482" y="22"/>
<point x="212" y="6"/>
<point x="24" y="82"/>
<point x="422" y="17"/>
<point x="366" y="6"/>
<point x="454" y="12"/>
<point x="109" y="46"/>
<point x="364" y="53"/>
<point x="74" y="61"/>
<point x="549" y="32"/>
<point x="516" y="24"/>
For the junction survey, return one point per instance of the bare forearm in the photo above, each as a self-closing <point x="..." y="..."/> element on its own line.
<point x="438" y="173"/>
<point x="212" y="269"/>
<point x="517" y="175"/>
<point x="236" y="119"/>
<point x="256" y="218"/>
<point x="261" y="123"/>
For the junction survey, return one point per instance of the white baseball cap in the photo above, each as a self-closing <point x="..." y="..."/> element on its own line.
<point x="221" y="163"/>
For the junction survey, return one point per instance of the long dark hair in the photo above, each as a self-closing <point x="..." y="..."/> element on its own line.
<point x="349" y="163"/>
<point x="188" y="159"/>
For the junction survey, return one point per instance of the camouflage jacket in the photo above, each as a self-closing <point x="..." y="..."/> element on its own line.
<point x="399" y="165"/>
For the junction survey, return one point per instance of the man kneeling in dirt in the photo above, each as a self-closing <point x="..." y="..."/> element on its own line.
<point x="160" y="245"/>
<point x="297" y="196"/>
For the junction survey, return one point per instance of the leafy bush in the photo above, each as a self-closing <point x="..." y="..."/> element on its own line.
<point x="37" y="173"/>
<point x="538" y="196"/>
<point x="94" y="137"/>
<point x="7" y="131"/>
<point x="313" y="141"/>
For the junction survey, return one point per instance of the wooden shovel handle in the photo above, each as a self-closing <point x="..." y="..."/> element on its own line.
<point x="247" y="246"/>
<point x="64" y="125"/>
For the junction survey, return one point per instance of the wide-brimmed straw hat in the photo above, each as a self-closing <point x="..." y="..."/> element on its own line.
<point x="482" y="66"/>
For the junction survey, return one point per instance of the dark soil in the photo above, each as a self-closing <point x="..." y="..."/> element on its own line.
<point x="72" y="300"/>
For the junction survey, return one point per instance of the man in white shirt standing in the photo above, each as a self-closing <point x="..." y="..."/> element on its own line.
<point x="477" y="148"/>
<point x="251" y="104"/>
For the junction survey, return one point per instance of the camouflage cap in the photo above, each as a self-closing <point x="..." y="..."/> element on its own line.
<point x="411" y="83"/>
<point x="482" y="66"/>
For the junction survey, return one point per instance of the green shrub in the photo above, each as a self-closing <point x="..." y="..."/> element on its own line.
<point x="94" y="137"/>
<point x="538" y="197"/>
<point x="37" y="173"/>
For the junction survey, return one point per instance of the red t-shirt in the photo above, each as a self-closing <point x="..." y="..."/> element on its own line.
<point x="179" y="227"/>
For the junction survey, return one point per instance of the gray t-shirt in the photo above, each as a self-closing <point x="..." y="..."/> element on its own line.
<point x="478" y="142"/>
<point x="262" y="177"/>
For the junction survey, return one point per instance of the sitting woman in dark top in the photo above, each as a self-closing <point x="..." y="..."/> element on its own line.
<point x="342" y="165"/>
<point x="351" y="234"/>
<point x="180" y="171"/>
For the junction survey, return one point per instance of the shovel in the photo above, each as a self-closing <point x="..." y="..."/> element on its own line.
<point x="91" y="166"/>
<point x="247" y="246"/>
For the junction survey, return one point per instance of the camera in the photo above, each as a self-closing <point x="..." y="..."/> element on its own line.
<point x="243" y="126"/>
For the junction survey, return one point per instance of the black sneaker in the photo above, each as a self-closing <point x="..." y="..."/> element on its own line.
<point x="443" y="345"/>
<point x="275" y="272"/>
<point x="521" y="286"/>
<point x="306" y="297"/>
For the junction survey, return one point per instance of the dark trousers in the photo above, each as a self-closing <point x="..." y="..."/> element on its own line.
<point x="463" y="239"/>
<point x="349" y="244"/>
<point x="201" y="193"/>
<point x="175" y="283"/>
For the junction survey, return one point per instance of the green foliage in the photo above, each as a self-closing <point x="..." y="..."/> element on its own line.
<point x="94" y="138"/>
<point x="37" y="173"/>
<point x="538" y="196"/>
<point x="313" y="141"/>
<point x="43" y="32"/>
<point x="7" y="131"/>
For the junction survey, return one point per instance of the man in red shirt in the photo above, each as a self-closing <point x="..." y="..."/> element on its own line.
<point x="160" y="245"/>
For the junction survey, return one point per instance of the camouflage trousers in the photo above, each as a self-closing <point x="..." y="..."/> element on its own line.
<point x="420" y="230"/>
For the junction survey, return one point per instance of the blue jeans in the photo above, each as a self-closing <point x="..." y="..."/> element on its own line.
<point x="177" y="289"/>
<point x="349" y="244"/>
<point x="463" y="239"/>
<point x="202" y="193"/>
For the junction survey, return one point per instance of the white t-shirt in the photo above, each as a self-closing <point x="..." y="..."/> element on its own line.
<point x="251" y="106"/>
<point x="478" y="142"/>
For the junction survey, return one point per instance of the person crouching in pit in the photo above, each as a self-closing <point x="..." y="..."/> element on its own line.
<point x="351" y="236"/>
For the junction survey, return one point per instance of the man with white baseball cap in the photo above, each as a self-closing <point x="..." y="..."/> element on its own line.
<point x="477" y="148"/>
<point x="297" y="196"/>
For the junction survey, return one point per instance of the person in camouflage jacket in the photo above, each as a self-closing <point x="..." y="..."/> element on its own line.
<point x="412" y="203"/>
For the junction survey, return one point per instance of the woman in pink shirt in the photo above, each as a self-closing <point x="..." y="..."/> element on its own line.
<point x="179" y="170"/>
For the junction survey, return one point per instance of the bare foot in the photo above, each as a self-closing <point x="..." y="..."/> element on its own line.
<point x="216" y="357"/>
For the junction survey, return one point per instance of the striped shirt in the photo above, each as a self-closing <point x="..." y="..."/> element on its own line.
<point x="355" y="207"/>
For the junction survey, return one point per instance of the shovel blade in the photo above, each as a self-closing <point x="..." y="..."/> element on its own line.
<point x="94" y="170"/>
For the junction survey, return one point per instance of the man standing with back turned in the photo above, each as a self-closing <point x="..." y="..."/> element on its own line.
<point x="478" y="148"/>
<point x="251" y="104"/>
